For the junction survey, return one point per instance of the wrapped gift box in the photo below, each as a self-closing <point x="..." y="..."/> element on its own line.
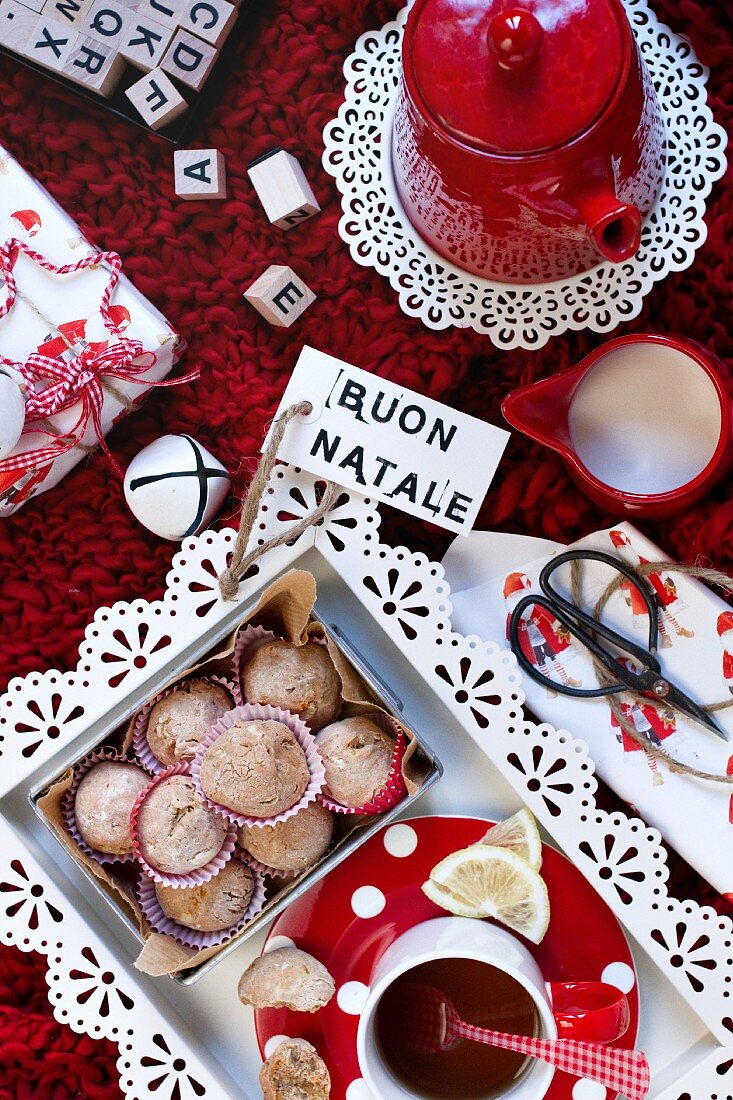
<point x="60" y="315"/>
<point x="693" y="815"/>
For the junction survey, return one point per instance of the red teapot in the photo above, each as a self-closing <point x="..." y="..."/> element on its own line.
<point x="528" y="142"/>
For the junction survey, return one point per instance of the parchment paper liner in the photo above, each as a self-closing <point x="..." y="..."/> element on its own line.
<point x="140" y="745"/>
<point x="69" y="801"/>
<point x="189" y="937"/>
<point x="256" y="712"/>
<point x="394" y="790"/>
<point x="191" y="878"/>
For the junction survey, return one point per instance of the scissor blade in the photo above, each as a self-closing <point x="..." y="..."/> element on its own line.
<point x="678" y="699"/>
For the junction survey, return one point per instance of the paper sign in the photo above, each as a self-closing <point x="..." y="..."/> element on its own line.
<point x="388" y="442"/>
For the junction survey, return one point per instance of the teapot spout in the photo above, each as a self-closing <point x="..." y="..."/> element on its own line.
<point x="615" y="226"/>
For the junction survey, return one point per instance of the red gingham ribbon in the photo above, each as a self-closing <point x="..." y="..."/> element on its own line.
<point x="431" y="1023"/>
<point x="79" y="380"/>
<point x="625" y="1071"/>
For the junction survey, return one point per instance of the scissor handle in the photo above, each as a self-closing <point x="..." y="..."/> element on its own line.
<point x="586" y="640"/>
<point x="646" y="656"/>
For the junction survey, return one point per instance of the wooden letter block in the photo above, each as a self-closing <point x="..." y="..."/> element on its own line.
<point x="167" y="12"/>
<point x="51" y="44"/>
<point x="70" y="13"/>
<point x="144" y="41"/>
<point x="95" y="65"/>
<point x="189" y="60"/>
<point x="17" y="24"/>
<point x="35" y="5"/>
<point x="211" y="20"/>
<point x="283" y="189"/>
<point x="156" y="99"/>
<point x="200" y="174"/>
<point x="280" y="296"/>
<point x="105" y="22"/>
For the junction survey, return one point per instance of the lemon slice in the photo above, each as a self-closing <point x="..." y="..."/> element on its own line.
<point x="518" y="833"/>
<point x="485" y="881"/>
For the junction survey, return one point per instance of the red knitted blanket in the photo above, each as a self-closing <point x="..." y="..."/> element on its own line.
<point x="78" y="547"/>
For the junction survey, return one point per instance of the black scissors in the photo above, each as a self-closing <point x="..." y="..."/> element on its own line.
<point x="646" y="679"/>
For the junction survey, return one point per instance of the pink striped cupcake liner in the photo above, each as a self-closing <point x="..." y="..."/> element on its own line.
<point x="69" y="800"/>
<point x="191" y="878"/>
<point x="394" y="790"/>
<point x="255" y="864"/>
<point x="190" y="937"/>
<point x="249" y="639"/>
<point x="252" y="712"/>
<point x="140" y="745"/>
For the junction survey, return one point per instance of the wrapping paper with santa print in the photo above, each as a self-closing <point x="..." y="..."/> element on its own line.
<point x="696" y="652"/>
<point x="72" y="302"/>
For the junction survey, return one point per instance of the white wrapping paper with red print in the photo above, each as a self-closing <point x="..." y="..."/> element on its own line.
<point x="696" y="652"/>
<point x="72" y="303"/>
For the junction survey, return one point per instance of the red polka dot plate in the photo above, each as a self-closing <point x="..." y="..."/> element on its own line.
<point x="350" y="918"/>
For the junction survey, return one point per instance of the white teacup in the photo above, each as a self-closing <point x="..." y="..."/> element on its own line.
<point x="461" y="938"/>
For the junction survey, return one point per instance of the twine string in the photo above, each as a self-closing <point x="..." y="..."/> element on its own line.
<point x="710" y="576"/>
<point x="241" y="561"/>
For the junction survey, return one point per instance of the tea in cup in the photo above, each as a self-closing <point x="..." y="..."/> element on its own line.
<point x="493" y="981"/>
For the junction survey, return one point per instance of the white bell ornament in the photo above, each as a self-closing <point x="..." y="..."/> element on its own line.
<point x="175" y="487"/>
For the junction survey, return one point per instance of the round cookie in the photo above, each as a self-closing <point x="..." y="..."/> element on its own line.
<point x="214" y="905"/>
<point x="102" y="805"/>
<point x="178" y="722"/>
<point x="298" y="678"/>
<point x="286" y="978"/>
<point x="255" y="768"/>
<point x="176" y="831"/>
<point x="291" y="845"/>
<point x="357" y="756"/>
<point x="295" y="1071"/>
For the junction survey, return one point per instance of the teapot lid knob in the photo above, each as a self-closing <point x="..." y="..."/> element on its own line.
<point x="515" y="37"/>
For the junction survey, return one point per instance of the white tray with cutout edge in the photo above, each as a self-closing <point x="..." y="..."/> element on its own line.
<point x="198" y="1041"/>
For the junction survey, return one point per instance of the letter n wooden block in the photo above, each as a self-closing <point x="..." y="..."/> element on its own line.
<point x="282" y="189"/>
<point x="280" y="296"/>
<point x="200" y="174"/>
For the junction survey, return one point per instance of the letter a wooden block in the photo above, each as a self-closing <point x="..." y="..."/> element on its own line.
<point x="280" y="296"/>
<point x="200" y="174"/>
<point x="282" y="189"/>
<point x="156" y="99"/>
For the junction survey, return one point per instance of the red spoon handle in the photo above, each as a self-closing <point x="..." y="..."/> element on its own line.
<point x="626" y="1071"/>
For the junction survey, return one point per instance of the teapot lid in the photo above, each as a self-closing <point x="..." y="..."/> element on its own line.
<point x="515" y="76"/>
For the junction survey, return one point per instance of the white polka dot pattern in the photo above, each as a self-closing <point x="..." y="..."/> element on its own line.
<point x="400" y="841"/>
<point x="368" y="901"/>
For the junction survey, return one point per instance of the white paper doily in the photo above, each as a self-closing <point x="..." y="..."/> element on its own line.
<point x="380" y="235"/>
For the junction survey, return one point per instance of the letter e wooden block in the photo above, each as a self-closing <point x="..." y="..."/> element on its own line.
<point x="17" y="24"/>
<point x="51" y="44"/>
<point x="95" y="65"/>
<point x="156" y="99"/>
<point x="144" y="41"/>
<point x="200" y="174"/>
<point x="280" y="296"/>
<point x="211" y="20"/>
<point x="189" y="60"/>
<point x="282" y="189"/>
